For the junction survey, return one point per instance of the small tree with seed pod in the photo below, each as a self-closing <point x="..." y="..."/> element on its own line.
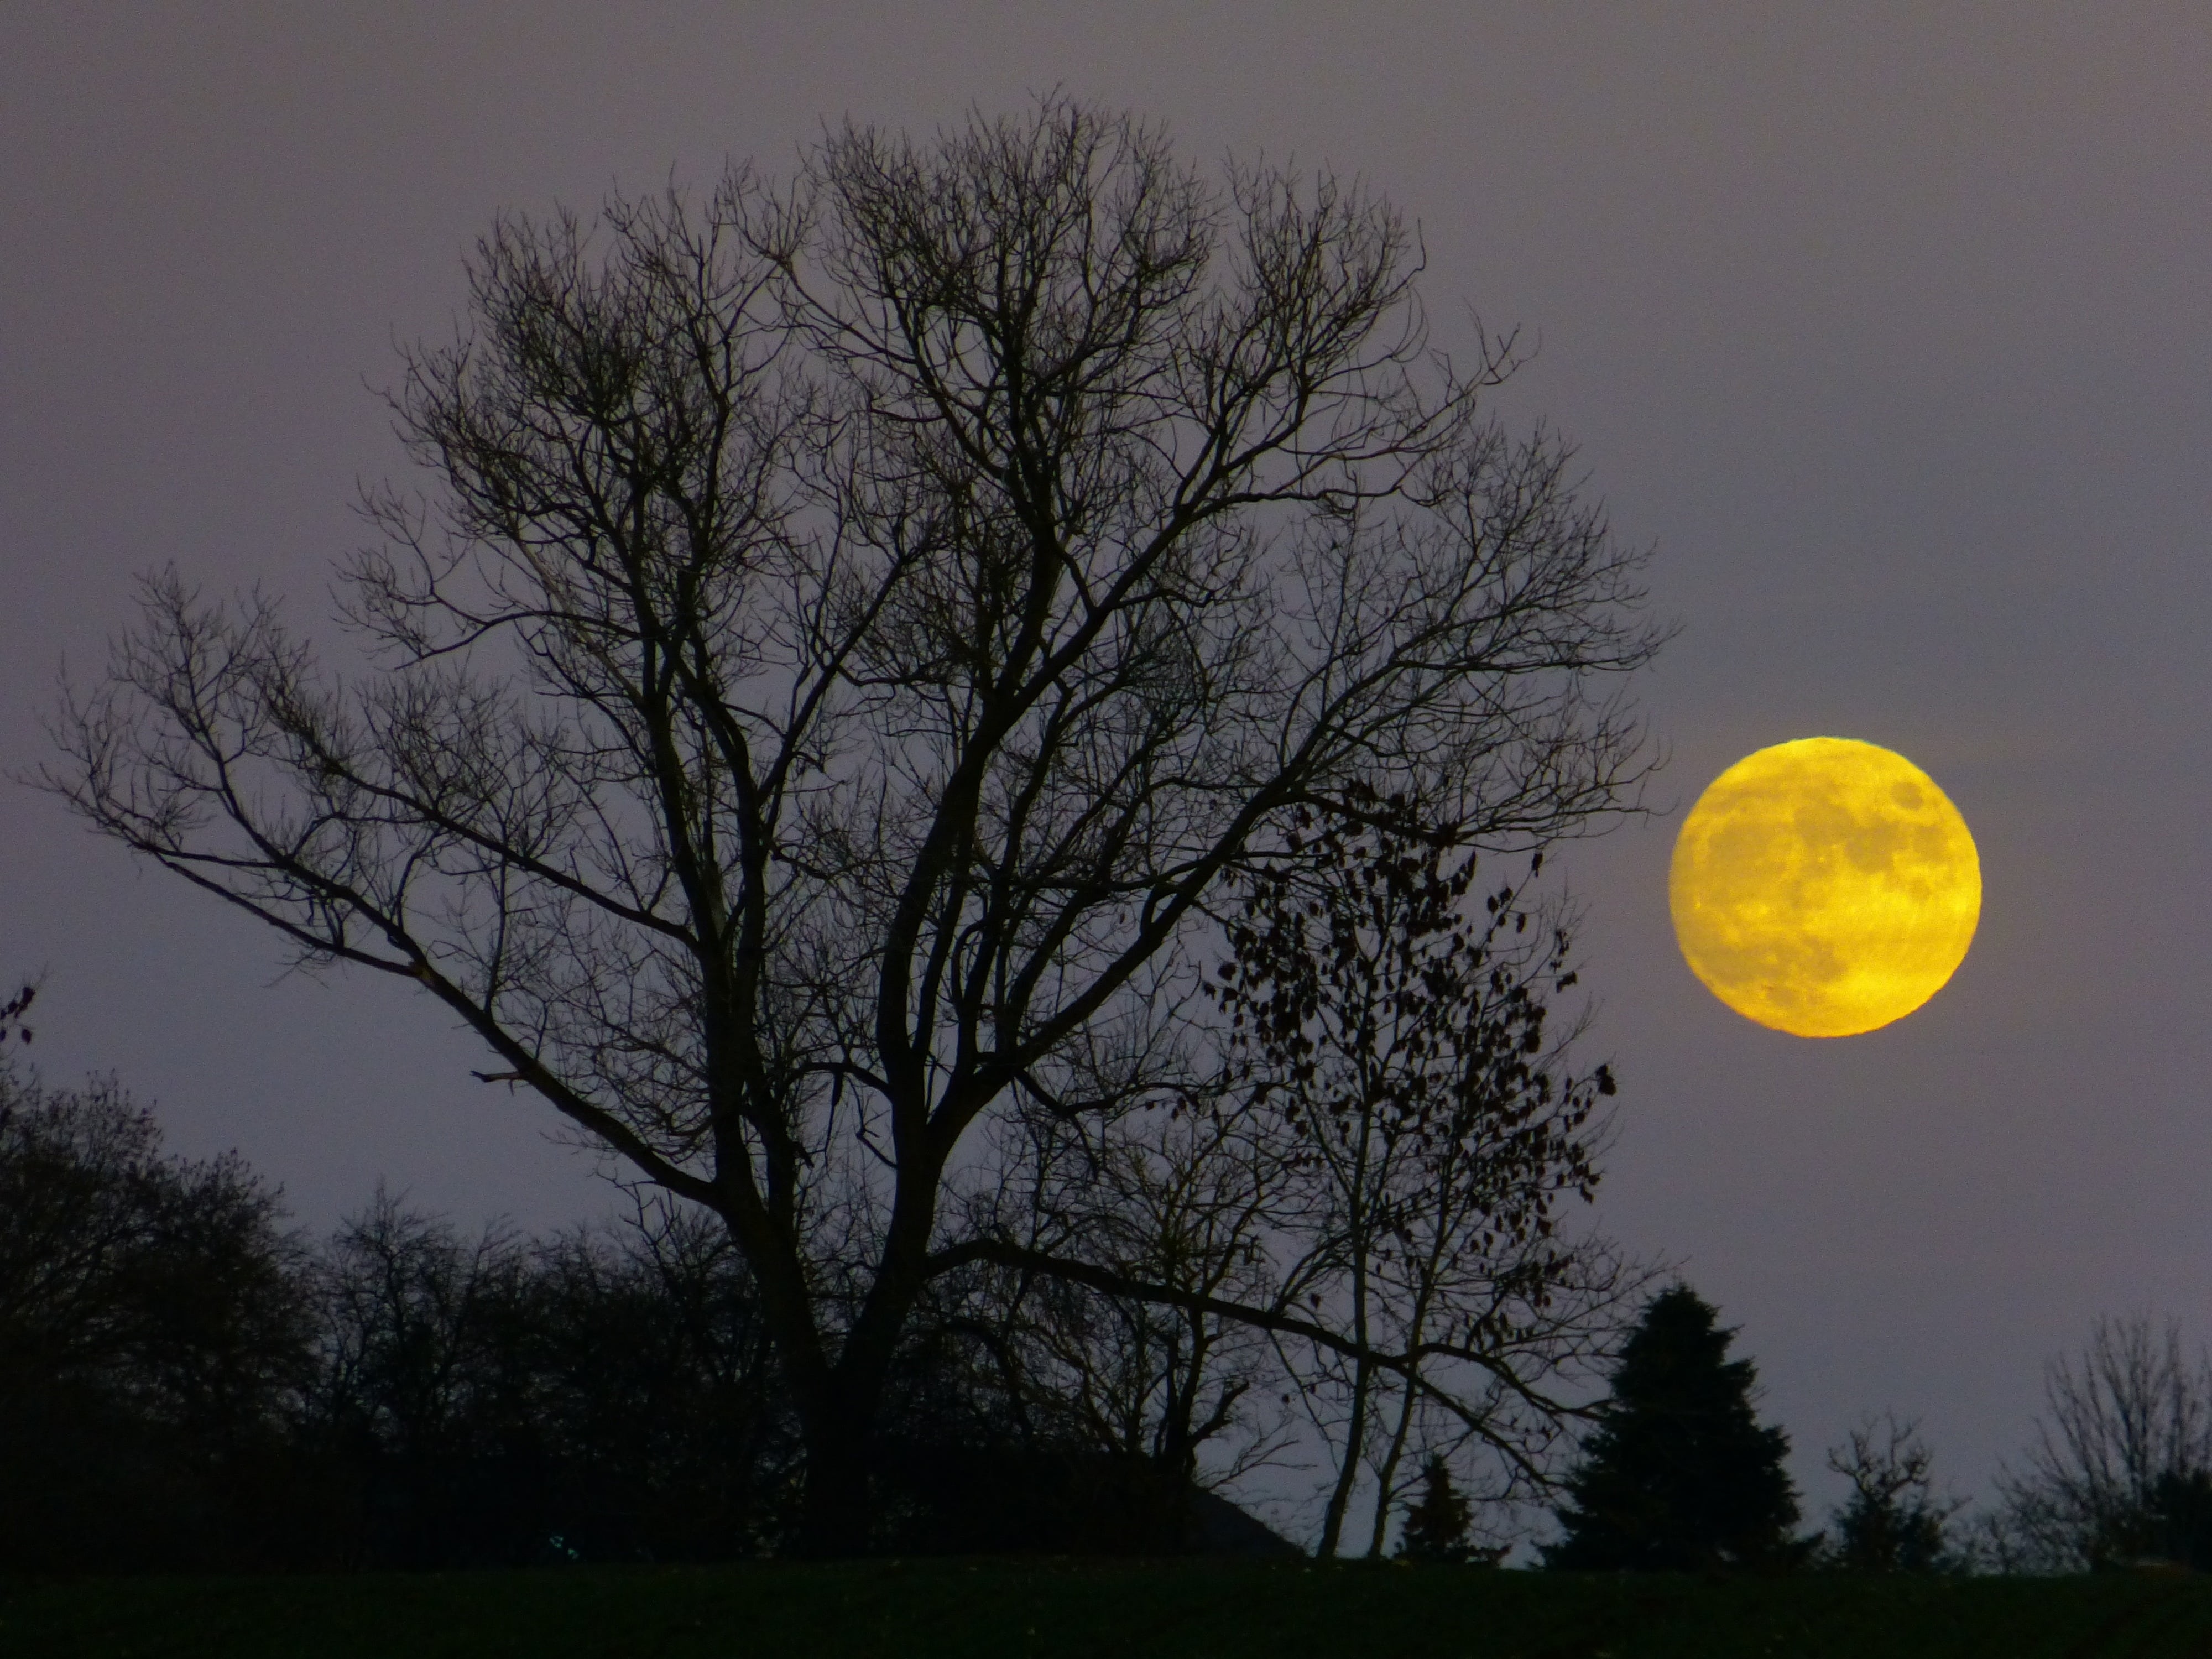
<point x="1399" y="1036"/>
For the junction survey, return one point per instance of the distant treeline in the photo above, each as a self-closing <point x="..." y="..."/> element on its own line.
<point x="185" y="1384"/>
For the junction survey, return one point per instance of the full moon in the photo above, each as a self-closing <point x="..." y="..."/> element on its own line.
<point x="1824" y="887"/>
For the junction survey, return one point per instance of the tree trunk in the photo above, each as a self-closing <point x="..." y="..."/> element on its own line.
<point x="837" y="1412"/>
<point x="1347" y="1472"/>
<point x="1388" y="1475"/>
<point x="1355" y="1434"/>
<point x="834" y="1508"/>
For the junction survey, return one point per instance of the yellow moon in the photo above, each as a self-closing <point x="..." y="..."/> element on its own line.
<point x="1824" y="887"/>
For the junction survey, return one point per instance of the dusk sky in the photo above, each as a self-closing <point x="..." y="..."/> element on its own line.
<point x="1888" y="328"/>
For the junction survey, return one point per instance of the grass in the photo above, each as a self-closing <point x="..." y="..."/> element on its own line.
<point x="1076" y="1610"/>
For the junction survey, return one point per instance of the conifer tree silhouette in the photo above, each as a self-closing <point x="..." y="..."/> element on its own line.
<point x="1436" y="1527"/>
<point x="1680" y="1475"/>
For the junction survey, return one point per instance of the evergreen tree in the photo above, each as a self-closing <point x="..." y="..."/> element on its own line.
<point x="2181" y="1508"/>
<point x="1436" y="1527"/>
<point x="1680" y="1475"/>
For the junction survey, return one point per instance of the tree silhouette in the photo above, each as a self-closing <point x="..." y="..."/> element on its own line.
<point x="1680" y="1475"/>
<point x="152" y="1327"/>
<point x="1396" y="1033"/>
<point x="2122" y="1455"/>
<point x="854" y="632"/>
<point x="2182" y="1506"/>
<point x="1436" y="1527"/>
<point x="1893" y="1521"/>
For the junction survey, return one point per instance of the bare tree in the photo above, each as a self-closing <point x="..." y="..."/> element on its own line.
<point x="425" y="1334"/>
<point x="1177" y="1195"/>
<point x="475" y="1393"/>
<point x="1893" y="1521"/>
<point x="2128" y="1426"/>
<point x="854" y="630"/>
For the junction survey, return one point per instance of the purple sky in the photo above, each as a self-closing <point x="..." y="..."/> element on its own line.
<point x="1891" y="326"/>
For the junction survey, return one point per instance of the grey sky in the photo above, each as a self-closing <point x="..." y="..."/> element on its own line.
<point x="1889" y="326"/>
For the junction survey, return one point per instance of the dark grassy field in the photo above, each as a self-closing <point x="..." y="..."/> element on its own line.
<point x="916" y="1610"/>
